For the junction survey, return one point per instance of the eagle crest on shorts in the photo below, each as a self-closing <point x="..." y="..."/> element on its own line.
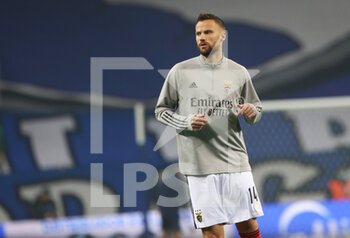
<point x="199" y="216"/>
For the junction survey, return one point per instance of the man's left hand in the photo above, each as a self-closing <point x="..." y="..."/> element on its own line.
<point x="247" y="109"/>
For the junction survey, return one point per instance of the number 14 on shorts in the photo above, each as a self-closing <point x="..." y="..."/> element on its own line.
<point x="252" y="194"/>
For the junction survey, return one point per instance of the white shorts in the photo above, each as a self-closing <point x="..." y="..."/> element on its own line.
<point x="223" y="198"/>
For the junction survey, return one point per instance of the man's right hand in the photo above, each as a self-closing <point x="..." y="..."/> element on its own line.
<point x="198" y="121"/>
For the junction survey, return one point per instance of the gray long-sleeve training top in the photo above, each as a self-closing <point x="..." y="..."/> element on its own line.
<point x="197" y="87"/>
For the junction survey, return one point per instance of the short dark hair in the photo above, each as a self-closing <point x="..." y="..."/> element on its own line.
<point x="208" y="16"/>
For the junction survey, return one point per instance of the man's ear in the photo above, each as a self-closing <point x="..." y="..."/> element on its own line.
<point x="223" y="36"/>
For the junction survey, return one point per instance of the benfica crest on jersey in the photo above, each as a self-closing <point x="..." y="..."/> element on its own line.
<point x="227" y="87"/>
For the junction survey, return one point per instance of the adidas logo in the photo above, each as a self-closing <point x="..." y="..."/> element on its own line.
<point x="193" y="85"/>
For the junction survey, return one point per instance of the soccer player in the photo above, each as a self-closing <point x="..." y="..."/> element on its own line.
<point x="202" y="99"/>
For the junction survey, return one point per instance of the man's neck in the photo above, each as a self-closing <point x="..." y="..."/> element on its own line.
<point x="214" y="58"/>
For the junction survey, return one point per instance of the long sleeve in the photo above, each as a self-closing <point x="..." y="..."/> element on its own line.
<point x="167" y="104"/>
<point x="250" y="96"/>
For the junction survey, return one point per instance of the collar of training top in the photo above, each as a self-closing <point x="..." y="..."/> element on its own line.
<point x="203" y="61"/>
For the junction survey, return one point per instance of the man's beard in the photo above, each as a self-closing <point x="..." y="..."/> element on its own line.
<point x="208" y="51"/>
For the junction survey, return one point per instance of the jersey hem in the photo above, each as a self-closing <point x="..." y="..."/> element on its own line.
<point x="193" y="173"/>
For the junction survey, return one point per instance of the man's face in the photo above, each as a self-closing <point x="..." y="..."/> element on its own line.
<point x="208" y="33"/>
